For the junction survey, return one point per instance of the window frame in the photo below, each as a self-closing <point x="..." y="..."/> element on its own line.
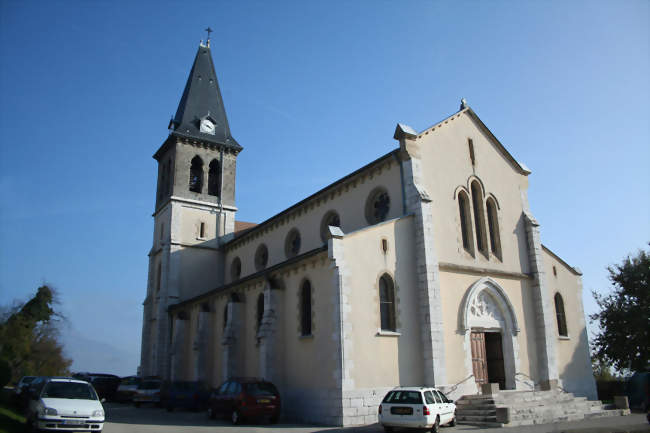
<point x="560" y="315"/>
<point x="387" y="307"/>
<point x="306" y="322"/>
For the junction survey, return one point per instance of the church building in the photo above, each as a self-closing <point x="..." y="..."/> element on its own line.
<point x="424" y="267"/>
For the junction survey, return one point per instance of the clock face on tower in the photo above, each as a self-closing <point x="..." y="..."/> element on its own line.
<point x="207" y="126"/>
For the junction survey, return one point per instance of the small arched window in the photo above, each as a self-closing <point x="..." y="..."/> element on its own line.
<point x="235" y="269"/>
<point x="305" y="309"/>
<point x="561" y="317"/>
<point x="292" y="243"/>
<point x="158" y="277"/>
<point x="465" y="223"/>
<point x="479" y="223"/>
<point x="260" y="310"/>
<point x="214" y="178"/>
<point x="493" y="227"/>
<point x="196" y="175"/>
<point x="261" y="257"/>
<point x="377" y="206"/>
<point x="387" y="303"/>
<point x="168" y="184"/>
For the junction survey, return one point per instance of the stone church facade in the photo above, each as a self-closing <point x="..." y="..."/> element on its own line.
<point x="424" y="267"/>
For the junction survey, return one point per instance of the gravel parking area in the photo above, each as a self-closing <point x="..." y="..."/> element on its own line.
<point x="124" y="418"/>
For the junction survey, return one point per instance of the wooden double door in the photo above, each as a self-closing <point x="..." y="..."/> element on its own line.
<point x="487" y="358"/>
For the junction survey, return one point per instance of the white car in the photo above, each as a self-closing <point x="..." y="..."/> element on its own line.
<point x="64" y="404"/>
<point x="416" y="407"/>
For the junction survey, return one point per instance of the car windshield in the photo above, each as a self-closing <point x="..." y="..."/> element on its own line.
<point x="74" y="390"/>
<point x="403" y="397"/>
<point x="261" y="388"/>
<point x="149" y="384"/>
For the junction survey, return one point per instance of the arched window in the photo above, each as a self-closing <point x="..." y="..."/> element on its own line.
<point x="479" y="223"/>
<point x="387" y="303"/>
<point x="235" y="269"/>
<point x="305" y="309"/>
<point x="493" y="227"/>
<point x="465" y="223"/>
<point x="292" y="243"/>
<point x="331" y="218"/>
<point x="158" y="277"/>
<point x="261" y="257"/>
<point x="196" y="175"/>
<point x="377" y="206"/>
<point x="214" y="178"/>
<point x="561" y="317"/>
<point x="260" y="310"/>
<point x="168" y="182"/>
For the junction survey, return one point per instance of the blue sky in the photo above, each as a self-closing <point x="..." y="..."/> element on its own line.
<point x="313" y="91"/>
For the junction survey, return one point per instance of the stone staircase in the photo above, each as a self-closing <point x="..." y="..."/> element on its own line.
<point x="517" y="408"/>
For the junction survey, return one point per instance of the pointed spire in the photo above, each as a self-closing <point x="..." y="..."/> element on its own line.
<point x="201" y="113"/>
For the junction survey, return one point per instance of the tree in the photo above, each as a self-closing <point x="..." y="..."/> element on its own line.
<point x="623" y="340"/>
<point x="29" y="338"/>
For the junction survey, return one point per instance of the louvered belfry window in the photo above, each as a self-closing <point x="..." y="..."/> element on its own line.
<point x="196" y="174"/>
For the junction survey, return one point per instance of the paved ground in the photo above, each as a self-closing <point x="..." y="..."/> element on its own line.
<point x="127" y="419"/>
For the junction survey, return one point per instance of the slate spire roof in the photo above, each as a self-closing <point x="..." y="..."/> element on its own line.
<point x="202" y="103"/>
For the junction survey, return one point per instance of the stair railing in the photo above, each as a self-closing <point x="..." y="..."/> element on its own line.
<point x="454" y="387"/>
<point x="534" y="384"/>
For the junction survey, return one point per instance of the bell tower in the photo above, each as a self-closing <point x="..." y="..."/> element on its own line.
<point x="195" y="208"/>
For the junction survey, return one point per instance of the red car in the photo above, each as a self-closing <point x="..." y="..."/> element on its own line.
<point x="248" y="398"/>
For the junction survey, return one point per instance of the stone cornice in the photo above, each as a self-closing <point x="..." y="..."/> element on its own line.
<point x="477" y="270"/>
<point x="261" y="275"/>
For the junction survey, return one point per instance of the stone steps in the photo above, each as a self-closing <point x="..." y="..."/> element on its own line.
<point x="528" y="408"/>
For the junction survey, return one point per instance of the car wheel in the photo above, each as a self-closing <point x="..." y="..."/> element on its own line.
<point x="170" y="408"/>
<point x="274" y="419"/>
<point x="235" y="417"/>
<point x="388" y="429"/>
<point x="136" y="404"/>
<point x="436" y="425"/>
<point x="452" y="423"/>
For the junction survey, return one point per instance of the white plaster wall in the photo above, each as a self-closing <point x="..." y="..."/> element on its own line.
<point x="380" y="360"/>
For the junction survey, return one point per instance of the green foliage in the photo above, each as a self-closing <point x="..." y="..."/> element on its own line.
<point x="5" y="373"/>
<point x="623" y="340"/>
<point x="29" y="338"/>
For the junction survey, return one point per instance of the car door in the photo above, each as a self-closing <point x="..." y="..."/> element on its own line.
<point x="220" y="398"/>
<point x="446" y="408"/>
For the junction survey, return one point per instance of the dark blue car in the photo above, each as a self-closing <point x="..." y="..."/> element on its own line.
<point x="188" y="395"/>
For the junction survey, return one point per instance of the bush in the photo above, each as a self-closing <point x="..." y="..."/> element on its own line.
<point x="5" y="373"/>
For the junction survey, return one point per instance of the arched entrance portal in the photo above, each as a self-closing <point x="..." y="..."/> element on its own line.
<point x="489" y="324"/>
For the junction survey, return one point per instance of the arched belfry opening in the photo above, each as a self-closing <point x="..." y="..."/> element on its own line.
<point x="488" y="322"/>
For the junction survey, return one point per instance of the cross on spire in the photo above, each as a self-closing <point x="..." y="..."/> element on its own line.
<point x="209" y="30"/>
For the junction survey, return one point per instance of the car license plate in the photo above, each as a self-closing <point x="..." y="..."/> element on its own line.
<point x="401" y="410"/>
<point x="264" y="400"/>
<point x="73" y="422"/>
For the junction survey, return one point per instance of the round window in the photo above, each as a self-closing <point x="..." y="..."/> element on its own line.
<point x="292" y="243"/>
<point x="261" y="257"/>
<point x="377" y="206"/>
<point x="331" y="218"/>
